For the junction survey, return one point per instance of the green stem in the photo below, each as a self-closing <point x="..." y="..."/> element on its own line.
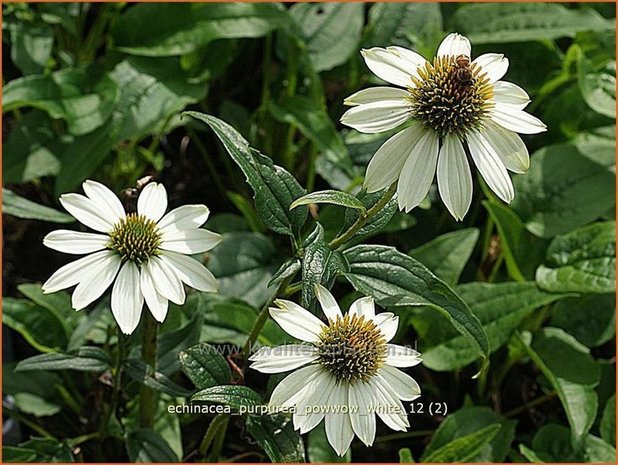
<point x="528" y="405"/>
<point x="218" y="422"/>
<point x="147" y="396"/>
<point x="117" y="378"/>
<point x="406" y="435"/>
<point x="313" y="152"/>
<point x="362" y="219"/>
<point x="217" y="443"/>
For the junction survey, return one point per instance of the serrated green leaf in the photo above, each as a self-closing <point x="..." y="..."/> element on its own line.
<point x="237" y="397"/>
<point x="146" y="446"/>
<point x="84" y="359"/>
<point x="276" y="435"/>
<point x="342" y="199"/>
<point x="205" y="366"/>
<point x="464" y="448"/>
<point x="13" y="204"/>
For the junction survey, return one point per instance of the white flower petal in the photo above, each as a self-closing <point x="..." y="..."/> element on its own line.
<point x="167" y="283"/>
<point x="185" y="217"/>
<point x="339" y="430"/>
<point x="511" y="94"/>
<point x="152" y="201"/>
<point x="394" y="415"/>
<point x="490" y="166"/>
<point x="387" y="323"/>
<point x="283" y="358"/>
<point x="309" y="408"/>
<point x="191" y="272"/>
<point x="157" y="304"/>
<point x="509" y="147"/>
<point x="329" y="305"/>
<point x="127" y="299"/>
<point x="378" y="116"/>
<point x="412" y="59"/>
<point x="111" y="206"/>
<point x="404" y="386"/>
<point x="376" y="94"/>
<point x="494" y="65"/>
<point x="513" y="119"/>
<point x="454" y="45"/>
<point x="72" y="273"/>
<point x="386" y="164"/>
<point x="290" y="388"/>
<point x="296" y="321"/>
<point x="454" y="177"/>
<point x="75" y="242"/>
<point x="86" y="211"/>
<point x="364" y="421"/>
<point x="95" y="280"/>
<point x="400" y="356"/>
<point x="364" y="306"/>
<point x="190" y="241"/>
<point x="390" y="66"/>
<point x="418" y="172"/>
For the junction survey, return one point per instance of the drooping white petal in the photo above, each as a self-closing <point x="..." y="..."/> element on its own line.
<point x="86" y="211"/>
<point x="95" y="280"/>
<point x="509" y="147"/>
<point x="157" y="304"/>
<point x="364" y="421"/>
<point x="72" y="273"/>
<point x="339" y="430"/>
<point x="418" y="172"/>
<point x="283" y="358"/>
<point x="290" y="388"/>
<point x="310" y="406"/>
<point x="387" y="323"/>
<point x="454" y="45"/>
<point x="390" y="66"/>
<point x="190" y="241"/>
<point x="296" y="321"/>
<point x="75" y="242"/>
<point x="185" y="217"/>
<point x="516" y="120"/>
<point x="167" y="282"/>
<point x="364" y="306"/>
<point x="152" y="201"/>
<point x="490" y="166"/>
<point x="511" y="94"/>
<point x="376" y="94"/>
<point x="385" y="166"/>
<point x="392" y="413"/>
<point x="400" y="356"/>
<point x="329" y="305"/>
<point x="494" y="65"/>
<point x="403" y="385"/>
<point x="454" y="177"/>
<point x="380" y="116"/>
<point x="191" y="272"/>
<point x="127" y="299"/>
<point x="110" y="204"/>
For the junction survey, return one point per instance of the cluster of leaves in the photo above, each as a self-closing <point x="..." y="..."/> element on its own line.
<point x="520" y="295"/>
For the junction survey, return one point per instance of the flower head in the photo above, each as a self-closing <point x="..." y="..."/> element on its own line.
<point x="457" y="108"/>
<point x="142" y="253"/>
<point x="347" y="372"/>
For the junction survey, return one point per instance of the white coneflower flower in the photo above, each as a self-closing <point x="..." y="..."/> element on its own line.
<point x="147" y="247"/>
<point x="457" y="107"/>
<point x="348" y="372"/>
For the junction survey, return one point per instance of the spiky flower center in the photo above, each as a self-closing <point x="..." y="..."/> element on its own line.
<point x="135" y="238"/>
<point x="351" y="348"/>
<point x="451" y="95"/>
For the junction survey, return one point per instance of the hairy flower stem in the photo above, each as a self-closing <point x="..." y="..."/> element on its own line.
<point x="147" y="396"/>
<point x="363" y="218"/>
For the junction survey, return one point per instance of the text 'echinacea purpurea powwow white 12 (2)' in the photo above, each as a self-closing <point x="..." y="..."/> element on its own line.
<point x="455" y="106"/>
<point x="144" y="253"/>
<point x="347" y="371"/>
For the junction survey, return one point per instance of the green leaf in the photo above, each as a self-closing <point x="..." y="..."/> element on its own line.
<point x="41" y="450"/>
<point x="84" y="359"/>
<point x="446" y="255"/>
<point x="464" y="448"/>
<point x="500" y="308"/>
<point x="13" y="204"/>
<point x="598" y="87"/>
<point x="237" y="397"/>
<point x="276" y="435"/>
<point x="607" y="426"/>
<point x="393" y="278"/>
<point x="274" y="188"/>
<point x="178" y="28"/>
<point x="31" y="46"/>
<point x="342" y="199"/>
<point x="288" y="269"/>
<point x="583" y="260"/>
<point x="379" y="222"/>
<point x="519" y="22"/>
<point x="405" y="455"/>
<point x="205" y="366"/>
<point x="32" y="393"/>
<point x="330" y="32"/>
<point x="143" y="373"/>
<point x="146" y="446"/>
<point x="573" y="373"/>
<point x="319" y="449"/>
<point x="472" y="419"/>
<point x="171" y="343"/>
<point x="247" y="210"/>
<point x="591" y="319"/>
